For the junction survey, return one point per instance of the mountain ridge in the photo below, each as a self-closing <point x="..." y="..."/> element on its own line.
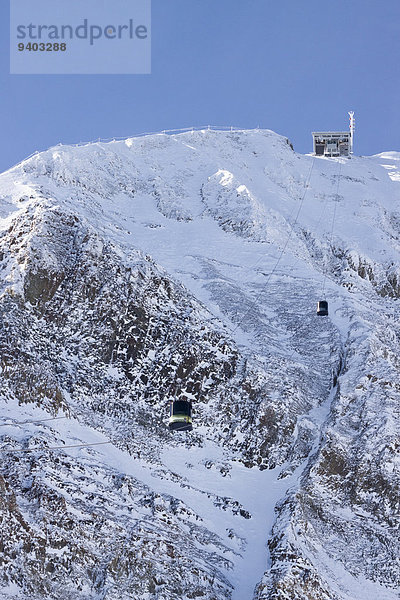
<point x="137" y="270"/>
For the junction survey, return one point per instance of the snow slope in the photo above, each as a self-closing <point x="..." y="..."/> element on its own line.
<point x="201" y="255"/>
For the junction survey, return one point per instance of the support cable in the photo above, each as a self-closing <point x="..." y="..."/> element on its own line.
<point x="37" y="448"/>
<point x="31" y="422"/>
<point x="306" y="186"/>
<point x="333" y="224"/>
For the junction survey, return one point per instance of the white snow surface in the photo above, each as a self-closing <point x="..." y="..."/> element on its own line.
<point x="220" y="210"/>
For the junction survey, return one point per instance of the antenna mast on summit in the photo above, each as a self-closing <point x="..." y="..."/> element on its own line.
<point x="352" y="127"/>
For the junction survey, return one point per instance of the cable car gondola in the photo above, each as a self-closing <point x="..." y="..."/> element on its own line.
<point x="180" y="418"/>
<point x="322" y="308"/>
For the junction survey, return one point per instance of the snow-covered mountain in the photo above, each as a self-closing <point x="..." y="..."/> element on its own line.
<point x="138" y="270"/>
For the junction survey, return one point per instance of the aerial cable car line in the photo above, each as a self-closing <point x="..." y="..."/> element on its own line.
<point x="41" y="448"/>
<point x="31" y="422"/>
<point x="334" y="215"/>
<point x="45" y="447"/>
<point x="322" y="305"/>
<point x="181" y="410"/>
<point x="315" y="226"/>
<point x="306" y="186"/>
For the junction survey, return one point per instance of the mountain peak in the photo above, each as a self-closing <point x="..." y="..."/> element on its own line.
<point x="189" y="265"/>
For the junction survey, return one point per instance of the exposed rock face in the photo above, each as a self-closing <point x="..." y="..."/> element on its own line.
<point x="345" y="515"/>
<point x="126" y="281"/>
<point x="105" y="342"/>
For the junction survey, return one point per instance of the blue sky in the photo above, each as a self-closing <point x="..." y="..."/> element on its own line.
<point x="289" y="65"/>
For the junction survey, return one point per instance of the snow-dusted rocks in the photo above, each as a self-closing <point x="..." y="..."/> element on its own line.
<point x="192" y="263"/>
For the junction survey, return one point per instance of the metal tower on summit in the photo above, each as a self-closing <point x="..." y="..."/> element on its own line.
<point x="335" y="143"/>
<point x="352" y="127"/>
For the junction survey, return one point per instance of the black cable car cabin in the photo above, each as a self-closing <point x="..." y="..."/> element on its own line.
<point x="180" y="415"/>
<point x="322" y="308"/>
